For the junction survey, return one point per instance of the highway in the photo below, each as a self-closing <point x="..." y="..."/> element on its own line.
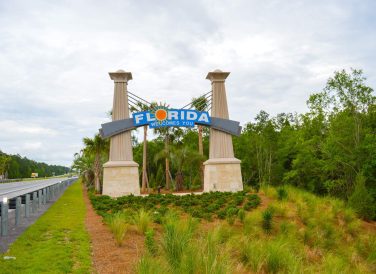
<point x="15" y="189"/>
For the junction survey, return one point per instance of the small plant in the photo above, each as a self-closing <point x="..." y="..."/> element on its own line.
<point x="118" y="227"/>
<point x="150" y="242"/>
<point x="231" y="214"/>
<point x="142" y="220"/>
<point x="241" y="215"/>
<point x="267" y="218"/>
<point x="221" y="214"/>
<point x="282" y="193"/>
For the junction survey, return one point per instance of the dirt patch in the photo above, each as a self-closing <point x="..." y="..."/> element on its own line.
<point x="265" y="201"/>
<point x="106" y="255"/>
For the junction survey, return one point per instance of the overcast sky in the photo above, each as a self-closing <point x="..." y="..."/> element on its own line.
<point x="55" y="57"/>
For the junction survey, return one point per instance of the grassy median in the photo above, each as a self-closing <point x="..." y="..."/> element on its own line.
<point x="58" y="241"/>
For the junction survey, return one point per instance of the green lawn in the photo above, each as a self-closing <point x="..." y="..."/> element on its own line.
<point x="57" y="243"/>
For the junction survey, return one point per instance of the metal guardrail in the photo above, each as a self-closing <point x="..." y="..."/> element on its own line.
<point x="25" y="201"/>
<point x="3" y="181"/>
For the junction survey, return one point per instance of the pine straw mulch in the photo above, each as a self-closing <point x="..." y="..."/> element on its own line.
<point x="106" y="255"/>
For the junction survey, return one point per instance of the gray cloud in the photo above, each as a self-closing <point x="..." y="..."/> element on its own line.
<point x="55" y="56"/>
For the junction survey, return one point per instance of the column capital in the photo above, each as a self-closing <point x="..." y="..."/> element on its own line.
<point x="120" y="76"/>
<point x="217" y="76"/>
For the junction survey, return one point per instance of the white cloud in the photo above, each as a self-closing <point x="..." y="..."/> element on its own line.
<point x="55" y="58"/>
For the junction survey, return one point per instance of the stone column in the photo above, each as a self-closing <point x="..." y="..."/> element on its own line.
<point x="120" y="174"/>
<point x="222" y="170"/>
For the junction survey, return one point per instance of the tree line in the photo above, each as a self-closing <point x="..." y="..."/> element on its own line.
<point x="329" y="150"/>
<point x="15" y="166"/>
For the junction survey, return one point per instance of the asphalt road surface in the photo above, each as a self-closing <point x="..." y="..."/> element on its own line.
<point x="15" y="189"/>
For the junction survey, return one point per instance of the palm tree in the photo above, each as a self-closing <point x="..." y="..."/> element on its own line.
<point x="142" y="107"/>
<point x="97" y="147"/>
<point x="181" y="156"/>
<point x="200" y="104"/>
<point x="165" y="132"/>
<point x="83" y="164"/>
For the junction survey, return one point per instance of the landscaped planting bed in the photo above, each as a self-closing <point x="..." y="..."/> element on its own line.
<point x="206" y="206"/>
<point x="275" y="231"/>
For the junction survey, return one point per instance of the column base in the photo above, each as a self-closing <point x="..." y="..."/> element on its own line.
<point x="223" y="174"/>
<point x="120" y="178"/>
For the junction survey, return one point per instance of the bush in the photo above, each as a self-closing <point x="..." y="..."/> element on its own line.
<point x="221" y="214"/>
<point x="118" y="227"/>
<point x="267" y="217"/>
<point x="362" y="201"/>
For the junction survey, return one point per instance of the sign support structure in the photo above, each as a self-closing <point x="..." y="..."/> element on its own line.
<point x="222" y="171"/>
<point x="120" y="173"/>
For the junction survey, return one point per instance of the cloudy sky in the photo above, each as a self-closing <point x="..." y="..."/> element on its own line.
<point x="55" y="57"/>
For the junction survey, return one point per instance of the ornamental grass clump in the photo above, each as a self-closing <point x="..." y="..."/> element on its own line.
<point x="231" y="215"/>
<point x="142" y="220"/>
<point x="150" y="242"/>
<point x="241" y="215"/>
<point x="118" y="227"/>
<point x="176" y="238"/>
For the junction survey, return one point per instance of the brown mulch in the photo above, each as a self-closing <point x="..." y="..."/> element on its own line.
<point x="106" y="255"/>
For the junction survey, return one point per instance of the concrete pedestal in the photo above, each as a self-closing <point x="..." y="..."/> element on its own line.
<point x="120" y="178"/>
<point x="222" y="174"/>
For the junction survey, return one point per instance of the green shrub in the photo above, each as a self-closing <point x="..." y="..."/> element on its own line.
<point x="253" y="201"/>
<point x="221" y="214"/>
<point x="118" y="227"/>
<point x="282" y="193"/>
<point x="362" y="201"/>
<point x="267" y="218"/>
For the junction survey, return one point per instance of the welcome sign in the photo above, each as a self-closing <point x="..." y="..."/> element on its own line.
<point x="164" y="117"/>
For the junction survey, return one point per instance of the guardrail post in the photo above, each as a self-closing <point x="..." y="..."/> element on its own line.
<point x="44" y="196"/>
<point x="53" y="192"/>
<point x="27" y="206"/>
<point x="18" y="210"/>
<point x="35" y="202"/>
<point x="40" y="198"/>
<point x="4" y="219"/>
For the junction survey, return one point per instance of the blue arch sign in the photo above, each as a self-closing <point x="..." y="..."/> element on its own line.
<point x="171" y="118"/>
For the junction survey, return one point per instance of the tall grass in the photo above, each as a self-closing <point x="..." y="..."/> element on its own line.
<point x="142" y="219"/>
<point x="118" y="227"/>
<point x="271" y="256"/>
<point x="151" y="265"/>
<point x="176" y="238"/>
<point x="150" y="242"/>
